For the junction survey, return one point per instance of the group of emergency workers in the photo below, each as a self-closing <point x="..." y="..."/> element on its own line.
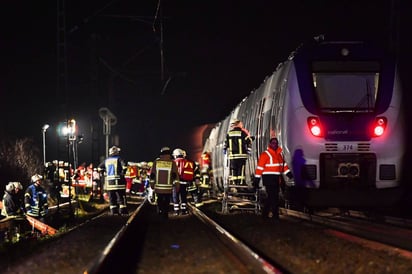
<point x="172" y="176"/>
<point x="17" y="205"/>
<point x="85" y="179"/>
<point x="34" y="202"/>
<point x="137" y="177"/>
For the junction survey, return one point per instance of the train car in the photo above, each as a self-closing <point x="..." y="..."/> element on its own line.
<point x="335" y="107"/>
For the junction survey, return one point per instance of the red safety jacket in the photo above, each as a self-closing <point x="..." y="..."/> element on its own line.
<point x="186" y="169"/>
<point x="205" y="162"/>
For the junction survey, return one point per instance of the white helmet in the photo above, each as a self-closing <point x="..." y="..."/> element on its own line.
<point x="114" y="150"/>
<point x="10" y="187"/>
<point x="178" y="153"/>
<point x="36" y="177"/>
<point x="17" y="185"/>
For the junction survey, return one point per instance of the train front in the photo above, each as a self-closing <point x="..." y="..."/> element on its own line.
<point x="346" y="130"/>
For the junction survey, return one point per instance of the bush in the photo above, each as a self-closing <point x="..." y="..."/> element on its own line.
<point x="19" y="160"/>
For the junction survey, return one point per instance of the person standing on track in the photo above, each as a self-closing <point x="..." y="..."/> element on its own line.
<point x="185" y="168"/>
<point x="163" y="177"/>
<point x="270" y="168"/>
<point x="115" y="169"/>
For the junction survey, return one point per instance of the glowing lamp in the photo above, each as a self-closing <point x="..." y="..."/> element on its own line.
<point x="379" y="126"/>
<point x="314" y="126"/>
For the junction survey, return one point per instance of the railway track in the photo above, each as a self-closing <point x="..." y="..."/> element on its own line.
<point x="176" y="235"/>
<point x="201" y="242"/>
<point x="143" y="243"/>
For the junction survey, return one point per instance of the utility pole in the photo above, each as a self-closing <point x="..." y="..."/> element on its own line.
<point x="62" y="81"/>
<point x="162" y="65"/>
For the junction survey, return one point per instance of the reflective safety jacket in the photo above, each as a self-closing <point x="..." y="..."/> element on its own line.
<point x="271" y="162"/>
<point x="115" y="170"/>
<point x="132" y="171"/>
<point x="186" y="169"/>
<point x="237" y="144"/>
<point x="35" y="201"/>
<point x="205" y="162"/>
<point x="164" y="175"/>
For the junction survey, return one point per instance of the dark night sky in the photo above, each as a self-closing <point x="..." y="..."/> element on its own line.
<point x="215" y="53"/>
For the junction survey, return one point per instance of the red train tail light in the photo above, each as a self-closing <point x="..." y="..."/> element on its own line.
<point x="379" y="126"/>
<point x="315" y="126"/>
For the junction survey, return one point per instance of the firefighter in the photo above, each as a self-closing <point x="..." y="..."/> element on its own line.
<point x="35" y="198"/>
<point x="88" y="178"/>
<point x="12" y="205"/>
<point x="52" y="177"/>
<point x="238" y="145"/>
<point x="141" y="180"/>
<point x="186" y="169"/>
<point x="115" y="181"/>
<point x="205" y="163"/>
<point x="80" y="178"/>
<point x="128" y="178"/>
<point x="163" y="177"/>
<point x="97" y="184"/>
<point x="205" y="173"/>
<point x="196" y="189"/>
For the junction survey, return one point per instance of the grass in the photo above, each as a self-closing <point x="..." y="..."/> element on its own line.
<point x="64" y="220"/>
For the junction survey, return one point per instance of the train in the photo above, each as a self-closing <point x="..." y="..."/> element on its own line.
<point x="336" y="109"/>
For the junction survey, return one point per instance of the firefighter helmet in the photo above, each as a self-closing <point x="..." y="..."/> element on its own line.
<point x="235" y="122"/>
<point x="10" y="187"/>
<point x="114" y="150"/>
<point x="17" y="185"/>
<point x="36" y="177"/>
<point x="178" y="153"/>
<point x="164" y="150"/>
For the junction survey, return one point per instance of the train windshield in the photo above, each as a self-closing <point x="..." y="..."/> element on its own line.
<point x="346" y="86"/>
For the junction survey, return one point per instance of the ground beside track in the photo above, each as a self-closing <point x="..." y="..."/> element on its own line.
<point x="303" y="249"/>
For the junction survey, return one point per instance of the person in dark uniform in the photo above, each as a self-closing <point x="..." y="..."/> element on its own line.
<point x="238" y="145"/>
<point x="12" y="205"/>
<point x="35" y="198"/>
<point x="163" y="177"/>
<point x="115" y="181"/>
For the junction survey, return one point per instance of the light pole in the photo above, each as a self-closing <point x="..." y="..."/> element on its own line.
<point x="44" y="129"/>
<point x="69" y="131"/>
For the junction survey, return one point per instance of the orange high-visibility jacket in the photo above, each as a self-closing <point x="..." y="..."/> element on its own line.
<point x="271" y="162"/>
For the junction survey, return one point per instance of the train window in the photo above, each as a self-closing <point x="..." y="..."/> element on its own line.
<point x="346" y="85"/>
<point x="346" y="91"/>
